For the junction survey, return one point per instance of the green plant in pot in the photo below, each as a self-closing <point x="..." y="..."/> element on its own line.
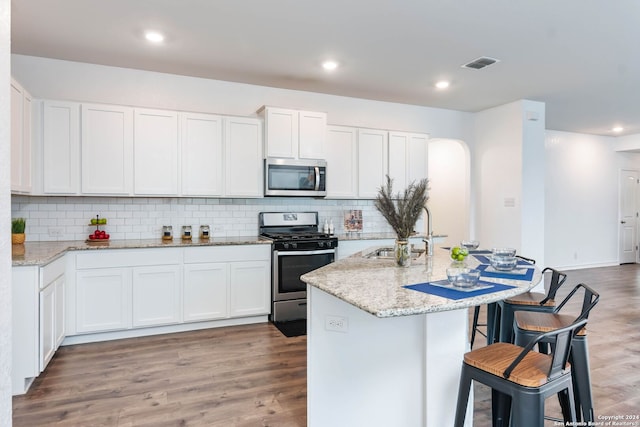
<point x="17" y="230"/>
<point x="402" y="211"/>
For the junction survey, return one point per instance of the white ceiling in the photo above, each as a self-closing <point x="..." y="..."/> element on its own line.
<point x="580" y="57"/>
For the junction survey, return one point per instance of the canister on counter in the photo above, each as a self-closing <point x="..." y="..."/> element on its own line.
<point x="186" y="232"/>
<point x="167" y="232"/>
<point x="204" y="232"/>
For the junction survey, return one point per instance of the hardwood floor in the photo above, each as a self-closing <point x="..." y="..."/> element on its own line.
<point x="254" y="376"/>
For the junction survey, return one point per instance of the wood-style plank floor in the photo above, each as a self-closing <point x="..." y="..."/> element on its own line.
<point x="254" y="376"/>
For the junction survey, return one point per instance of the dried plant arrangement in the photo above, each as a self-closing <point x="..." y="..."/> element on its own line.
<point x="402" y="210"/>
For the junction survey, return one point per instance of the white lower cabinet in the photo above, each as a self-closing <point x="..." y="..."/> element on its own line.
<point x="103" y="299"/>
<point x="249" y="288"/>
<point x="205" y="292"/>
<point x="156" y="295"/>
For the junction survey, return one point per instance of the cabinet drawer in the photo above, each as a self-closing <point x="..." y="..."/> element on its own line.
<point x="112" y="258"/>
<point x="228" y="253"/>
<point x="52" y="271"/>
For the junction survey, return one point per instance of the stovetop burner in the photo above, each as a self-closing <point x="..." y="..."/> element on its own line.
<point x="296" y="235"/>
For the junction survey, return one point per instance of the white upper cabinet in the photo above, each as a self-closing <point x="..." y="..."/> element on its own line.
<point x="407" y="158"/>
<point x="107" y="149"/>
<point x="342" y="162"/>
<point x="372" y="161"/>
<point x="156" y="152"/>
<point x="60" y="147"/>
<point x="243" y="157"/>
<point x="201" y="148"/>
<point x="294" y="134"/>
<point x="20" y="139"/>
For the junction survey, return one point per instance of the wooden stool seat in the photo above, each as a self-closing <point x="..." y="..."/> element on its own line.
<point x="531" y="298"/>
<point x="544" y="322"/>
<point x="532" y="371"/>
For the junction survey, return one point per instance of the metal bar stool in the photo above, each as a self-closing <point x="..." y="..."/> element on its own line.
<point x="529" y="301"/>
<point x="494" y="325"/>
<point x="529" y="326"/>
<point x="521" y="379"/>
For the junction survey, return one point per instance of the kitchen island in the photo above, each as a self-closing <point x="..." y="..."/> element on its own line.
<point x="380" y="354"/>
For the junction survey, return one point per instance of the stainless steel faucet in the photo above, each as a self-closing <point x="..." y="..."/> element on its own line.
<point x="429" y="240"/>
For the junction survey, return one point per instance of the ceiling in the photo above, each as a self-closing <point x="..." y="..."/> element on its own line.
<point x="580" y="57"/>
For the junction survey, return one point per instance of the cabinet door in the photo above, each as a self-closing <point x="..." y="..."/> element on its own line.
<point x="205" y="291"/>
<point x="281" y="132"/>
<point x="342" y="162"/>
<point x="60" y="147"/>
<point x="47" y="325"/>
<point x="372" y="162"/>
<point x="418" y="157"/>
<point x="398" y="157"/>
<point x="201" y="148"/>
<point x="312" y="134"/>
<point x="60" y="323"/>
<point x="20" y="139"/>
<point x="103" y="299"/>
<point x="250" y="290"/>
<point x="156" y="295"/>
<point x="107" y="149"/>
<point x="243" y="155"/>
<point x="156" y="152"/>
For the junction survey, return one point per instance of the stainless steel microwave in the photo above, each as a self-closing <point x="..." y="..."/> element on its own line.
<point x="289" y="177"/>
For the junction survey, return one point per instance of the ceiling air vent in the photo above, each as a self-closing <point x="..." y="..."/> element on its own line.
<point x="480" y="63"/>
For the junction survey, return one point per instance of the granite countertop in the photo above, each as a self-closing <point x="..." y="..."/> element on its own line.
<point x="376" y="285"/>
<point x="42" y="253"/>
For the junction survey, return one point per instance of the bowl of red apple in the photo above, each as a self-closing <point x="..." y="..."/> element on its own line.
<point x="99" y="235"/>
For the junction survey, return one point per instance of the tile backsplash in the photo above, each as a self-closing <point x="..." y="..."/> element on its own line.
<point x="67" y="218"/>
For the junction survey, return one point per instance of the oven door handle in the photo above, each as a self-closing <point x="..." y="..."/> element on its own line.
<point x="290" y="253"/>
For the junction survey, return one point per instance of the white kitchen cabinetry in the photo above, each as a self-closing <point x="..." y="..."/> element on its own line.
<point x="107" y="149"/>
<point x="238" y="284"/>
<point x="294" y="134"/>
<point x="206" y="291"/>
<point x="249" y="288"/>
<point x="38" y="319"/>
<point x="372" y="161"/>
<point x="342" y="162"/>
<point x="20" y="139"/>
<point x="407" y="158"/>
<point x="201" y="150"/>
<point x="60" y="149"/>
<point x="243" y="157"/>
<point x="123" y="289"/>
<point x="103" y="300"/>
<point x="156" y="295"/>
<point x="156" y="152"/>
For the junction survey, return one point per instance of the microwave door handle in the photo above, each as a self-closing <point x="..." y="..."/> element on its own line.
<point x="317" y="170"/>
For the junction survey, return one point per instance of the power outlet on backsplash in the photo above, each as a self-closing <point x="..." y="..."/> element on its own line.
<point x="55" y="231"/>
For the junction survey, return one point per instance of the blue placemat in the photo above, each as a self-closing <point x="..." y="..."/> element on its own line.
<point x="506" y="275"/>
<point x="485" y="260"/>
<point x="429" y="288"/>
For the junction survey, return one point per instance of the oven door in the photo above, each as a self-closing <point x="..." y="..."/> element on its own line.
<point x="288" y="266"/>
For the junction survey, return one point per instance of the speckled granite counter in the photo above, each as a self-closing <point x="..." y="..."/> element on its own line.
<point x="42" y="253"/>
<point x="376" y="285"/>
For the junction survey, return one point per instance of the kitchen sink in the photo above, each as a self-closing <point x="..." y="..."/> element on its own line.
<point x="389" y="253"/>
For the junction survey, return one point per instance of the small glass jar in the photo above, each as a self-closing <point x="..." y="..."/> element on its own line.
<point x="186" y="232"/>
<point x="167" y="232"/>
<point x="204" y="232"/>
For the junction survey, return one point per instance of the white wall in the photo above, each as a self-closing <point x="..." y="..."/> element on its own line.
<point x="65" y="80"/>
<point x="5" y="211"/>
<point x="582" y="199"/>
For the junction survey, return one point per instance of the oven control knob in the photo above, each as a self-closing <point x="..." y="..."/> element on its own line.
<point x="321" y="244"/>
<point x="329" y="243"/>
<point x="286" y="246"/>
<point x="294" y="245"/>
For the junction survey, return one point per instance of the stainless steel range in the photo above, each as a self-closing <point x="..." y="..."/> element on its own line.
<point x="298" y="247"/>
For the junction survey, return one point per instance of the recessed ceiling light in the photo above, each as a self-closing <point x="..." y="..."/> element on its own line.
<point x="442" y="84"/>
<point x="617" y="129"/>
<point x="329" y="65"/>
<point x="154" y="36"/>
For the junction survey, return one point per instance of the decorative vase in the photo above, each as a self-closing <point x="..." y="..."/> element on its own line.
<point x="17" y="238"/>
<point x="403" y="253"/>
